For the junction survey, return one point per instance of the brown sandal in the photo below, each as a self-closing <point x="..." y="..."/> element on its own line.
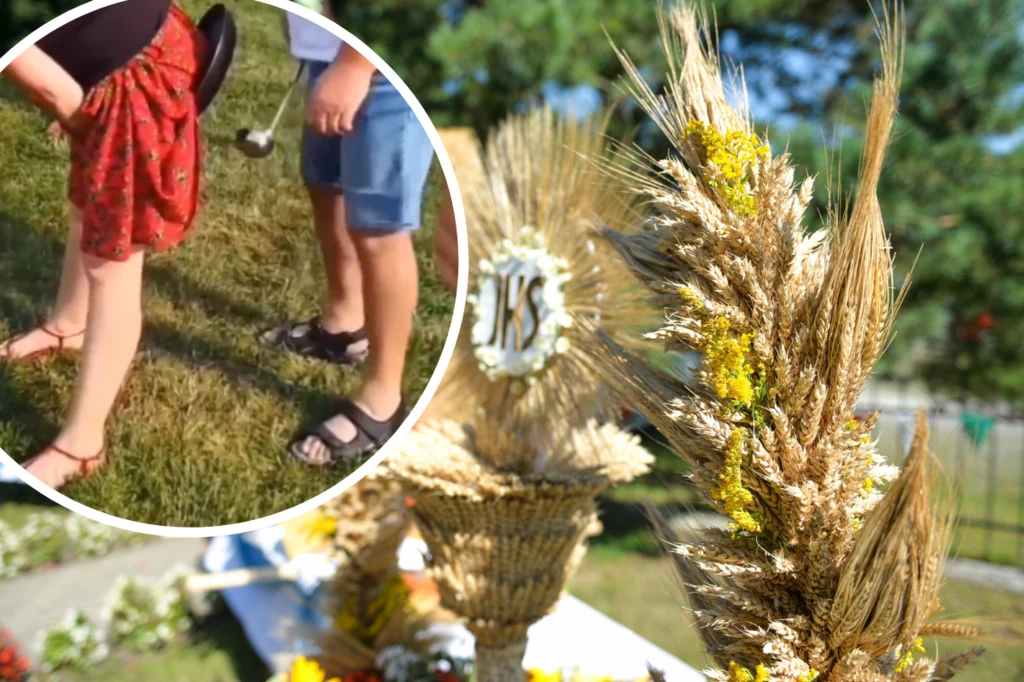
<point x="41" y="354"/>
<point x="86" y="465"/>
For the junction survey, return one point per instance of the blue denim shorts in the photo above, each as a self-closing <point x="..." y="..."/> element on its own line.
<point x="380" y="167"/>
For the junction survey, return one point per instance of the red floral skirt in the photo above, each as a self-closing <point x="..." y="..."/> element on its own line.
<point x="136" y="161"/>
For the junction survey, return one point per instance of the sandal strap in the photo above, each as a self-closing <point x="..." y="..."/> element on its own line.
<point x="378" y="431"/>
<point x="60" y="337"/>
<point x="315" y="340"/>
<point x="76" y="458"/>
<point x="340" y="338"/>
<point x="332" y="442"/>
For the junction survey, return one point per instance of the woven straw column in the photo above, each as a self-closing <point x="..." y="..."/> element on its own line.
<point x="504" y="545"/>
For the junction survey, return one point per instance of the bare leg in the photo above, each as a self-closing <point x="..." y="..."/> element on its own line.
<point x="69" y="314"/>
<point x="113" y="328"/>
<point x="391" y="286"/>
<point x="342" y="309"/>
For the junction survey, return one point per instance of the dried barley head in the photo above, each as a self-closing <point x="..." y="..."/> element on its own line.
<point x="525" y="370"/>
<point x="788" y="325"/>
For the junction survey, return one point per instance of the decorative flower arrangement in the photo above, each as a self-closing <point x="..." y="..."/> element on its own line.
<point x="304" y="670"/>
<point x="53" y="537"/>
<point x="72" y="644"/>
<point x="398" y="664"/>
<point x="14" y="667"/>
<point x="537" y="267"/>
<point x="822" y="576"/>
<point x="144" y="615"/>
<point x="535" y="675"/>
<point x="521" y="261"/>
<point x="369" y="601"/>
<point x="139" y="615"/>
<point x="506" y="465"/>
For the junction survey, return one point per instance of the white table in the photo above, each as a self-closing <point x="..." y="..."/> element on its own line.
<point x="280" y="622"/>
<point x="7" y="475"/>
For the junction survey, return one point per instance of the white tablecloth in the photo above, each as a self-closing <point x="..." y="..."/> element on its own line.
<point x="7" y="475"/>
<point x="280" y="622"/>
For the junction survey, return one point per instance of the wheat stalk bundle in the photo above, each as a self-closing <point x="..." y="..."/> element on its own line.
<point x="368" y="600"/>
<point x="821" y="576"/>
<point x="506" y="465"/>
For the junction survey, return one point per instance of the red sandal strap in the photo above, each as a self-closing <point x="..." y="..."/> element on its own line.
<point x="76" y="458"/>
<point x="60" y="338"/>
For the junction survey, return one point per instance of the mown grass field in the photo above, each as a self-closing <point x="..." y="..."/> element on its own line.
<point x="202" y="435"/>
<point x="638" y="591"/>
<point x="641" y="593"/>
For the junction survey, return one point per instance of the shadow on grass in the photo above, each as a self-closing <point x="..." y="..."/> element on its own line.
<point x="236" y="369"/>
<point x="16" y="493"/>
<point x="31" y="270"/>
<point x="27" y="254"/>
<point x="222" y="632"/>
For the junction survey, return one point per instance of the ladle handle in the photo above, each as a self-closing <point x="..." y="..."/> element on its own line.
<point x="287" y="98"/>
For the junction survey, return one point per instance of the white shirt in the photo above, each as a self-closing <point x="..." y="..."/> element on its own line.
<point x="310" y="42"/>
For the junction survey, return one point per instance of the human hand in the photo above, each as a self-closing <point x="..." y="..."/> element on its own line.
<point x="446" y="238"/>
<point x="50" y="87"/>
<point x="338" y="95"/>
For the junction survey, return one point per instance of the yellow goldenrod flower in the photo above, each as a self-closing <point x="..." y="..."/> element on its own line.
<point x="305" y="670"/>
<point x="731" y="155"/>
<point x="365" y="620"/>
<point x="808" y="676"/>
<point x="737" y="673"/>
<point x="690" y="298"/>
<point x="538" y="675"/>
<point x="906" y="659"/>
<point x="728" y="360"/>
<point x="321" y="526"/>
<point x="732" y="492"/>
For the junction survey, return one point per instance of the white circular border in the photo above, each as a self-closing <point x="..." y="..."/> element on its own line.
<point x="446" y="353"/>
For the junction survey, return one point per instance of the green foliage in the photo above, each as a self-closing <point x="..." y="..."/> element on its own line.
<point x="18" y="18"/>
<point x="946" y="193"/>
<point x="944" y="189"/>
<point x="472" y="63"/>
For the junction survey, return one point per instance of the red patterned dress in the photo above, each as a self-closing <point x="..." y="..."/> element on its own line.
<point x="136" y="160"/>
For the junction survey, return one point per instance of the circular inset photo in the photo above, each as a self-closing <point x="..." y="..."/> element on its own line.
<point x="229" y="257"/>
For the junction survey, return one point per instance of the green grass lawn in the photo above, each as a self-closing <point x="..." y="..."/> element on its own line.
<point x="640" y="592"/>
<point x="201" y="437"/>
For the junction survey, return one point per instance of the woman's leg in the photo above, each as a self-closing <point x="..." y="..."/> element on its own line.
<point x="69" y="315"/>
<point x="113" y="327"/>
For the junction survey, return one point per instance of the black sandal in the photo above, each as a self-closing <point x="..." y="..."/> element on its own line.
<point x="370" y="435"/>
<point x="311" y="340"/>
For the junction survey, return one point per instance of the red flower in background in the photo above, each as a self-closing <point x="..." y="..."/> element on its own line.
<point x="362" y="676"/>
<point x="13" y="666"/>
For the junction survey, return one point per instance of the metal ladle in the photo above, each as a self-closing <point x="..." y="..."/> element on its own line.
<point x="259" y="144"/>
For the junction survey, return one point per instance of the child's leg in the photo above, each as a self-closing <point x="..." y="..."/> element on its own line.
<point x="68" y="317"/>
<point x="113" y="328"/>
<point x="342" y="309"/>
<point x="386" y="160"/>
<point x="391" y="286"/>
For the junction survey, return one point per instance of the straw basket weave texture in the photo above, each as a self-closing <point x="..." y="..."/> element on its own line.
<point x="504" y="545"/>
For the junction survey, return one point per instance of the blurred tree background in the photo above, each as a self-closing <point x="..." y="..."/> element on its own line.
<point x="953" y="185"/>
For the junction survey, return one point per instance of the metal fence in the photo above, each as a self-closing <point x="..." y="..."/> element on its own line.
<point x="981" y="447"/>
